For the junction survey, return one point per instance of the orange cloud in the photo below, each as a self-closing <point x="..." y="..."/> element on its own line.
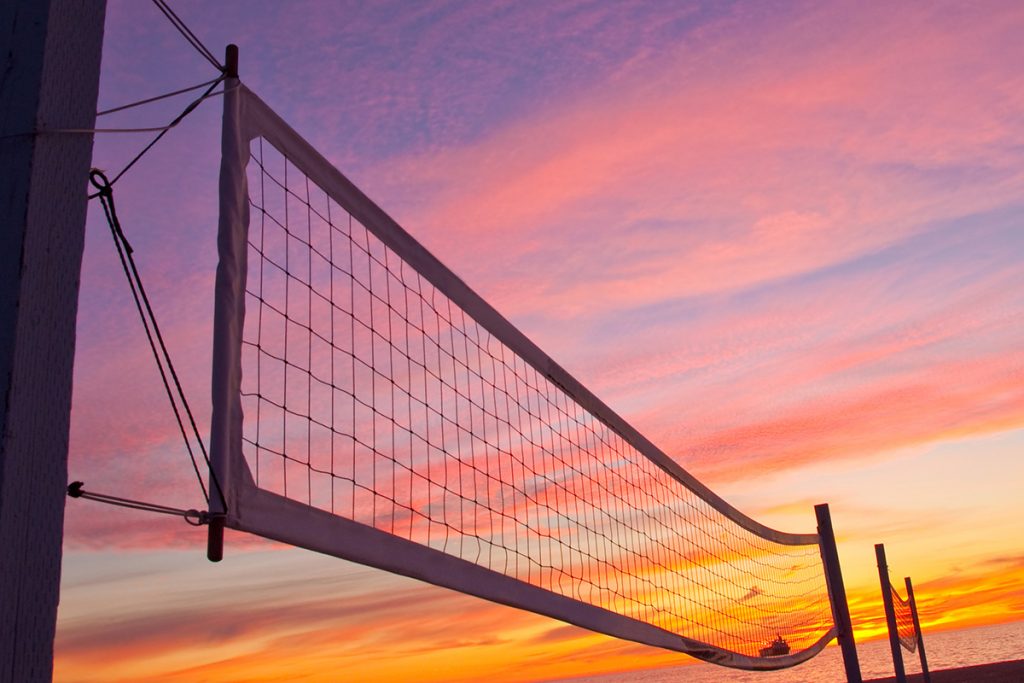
<point x="313" y="626"/>
<point x="986" y="592"/>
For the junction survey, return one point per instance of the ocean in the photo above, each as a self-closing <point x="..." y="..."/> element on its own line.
<point x="945" y="650"/>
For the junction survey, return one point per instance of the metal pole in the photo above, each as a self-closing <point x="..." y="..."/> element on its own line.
<point x="837" y="593"/>
<point x="50" y="60"/>
<point x="890" y="614"/>
<point x="215" y="535"/>
<point x="917" y="629"/>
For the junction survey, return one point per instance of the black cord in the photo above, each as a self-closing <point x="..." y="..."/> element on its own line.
<point x="205" y="52"/>
<point x="155" y="337"/>
<point x="104" y="187"/>
<point x="194" y="517"/>
<point x="188" y="110"/>
<point x="187" y="33"/>
<point x="150" y="100"/>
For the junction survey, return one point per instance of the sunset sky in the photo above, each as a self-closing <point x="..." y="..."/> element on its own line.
<point x="784" y="240"/>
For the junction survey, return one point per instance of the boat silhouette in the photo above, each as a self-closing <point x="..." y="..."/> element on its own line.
<point x="776" y="648"/>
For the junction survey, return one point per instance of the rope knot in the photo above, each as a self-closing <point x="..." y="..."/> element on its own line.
<point x="99" y="180"/>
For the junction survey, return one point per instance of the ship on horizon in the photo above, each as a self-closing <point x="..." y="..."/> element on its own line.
<point x="776" y="648"/>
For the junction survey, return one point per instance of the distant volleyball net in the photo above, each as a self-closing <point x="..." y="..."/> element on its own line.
<point x="369" y="405"/>
<point x="906" y="632"/>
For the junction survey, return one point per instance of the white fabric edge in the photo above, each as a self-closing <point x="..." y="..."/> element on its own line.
<point x="264" y="513"/>
<point x="226" y="458"/>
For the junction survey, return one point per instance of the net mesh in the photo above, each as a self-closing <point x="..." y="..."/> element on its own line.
<point x="904" y="621"/>
<point x="369" y="394"/>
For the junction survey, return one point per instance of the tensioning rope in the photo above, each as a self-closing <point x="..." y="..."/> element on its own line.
<point x="149" y="129"/>
<point x="104" y="190"/>
<point x="153" y="334"/>
<point x="163" y="131"/>
<point x="194" y="517"/>
<point x="187" y="33"/>
<point x="194" y="41"/>
<point x="150" y="100"/>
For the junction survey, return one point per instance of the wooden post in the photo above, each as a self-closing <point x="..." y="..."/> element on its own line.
<point x="890" y="614"/>
<point x="51" y="64"/>
<point x="837" y="594"/>
<point x="917" y="629"/>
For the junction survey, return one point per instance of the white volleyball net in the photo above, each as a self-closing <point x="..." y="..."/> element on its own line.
<point x="369" y="405"/>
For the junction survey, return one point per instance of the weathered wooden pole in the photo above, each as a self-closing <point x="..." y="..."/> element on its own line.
<point x="890" y="614"/>
<point x="917" y="629"/>
<point x="837" y="594"/>
<point x="51" y="63"/>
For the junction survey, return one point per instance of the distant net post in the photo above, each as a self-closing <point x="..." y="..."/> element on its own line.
<point x="51" y="61"/>
<point x="917" y="630"/>
<point x="837" y="594"/>
<point x="890" y="614"/>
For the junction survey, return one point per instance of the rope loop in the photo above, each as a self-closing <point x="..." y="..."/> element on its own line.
<point x="105" y="191"/>
<point x="99" y="180"/>
<point x="196" y="517"/>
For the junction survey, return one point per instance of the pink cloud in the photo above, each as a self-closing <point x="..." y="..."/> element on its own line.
<point x="750" y="175"/>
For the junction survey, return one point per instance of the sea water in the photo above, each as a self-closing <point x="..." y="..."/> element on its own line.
<point x="945" y="650"/>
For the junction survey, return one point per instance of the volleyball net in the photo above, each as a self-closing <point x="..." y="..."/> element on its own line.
<point x="905" y="629"/>
<point x="371" y="406"/>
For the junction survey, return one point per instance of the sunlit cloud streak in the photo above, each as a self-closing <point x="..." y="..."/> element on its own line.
<point x="732" y="176"/>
